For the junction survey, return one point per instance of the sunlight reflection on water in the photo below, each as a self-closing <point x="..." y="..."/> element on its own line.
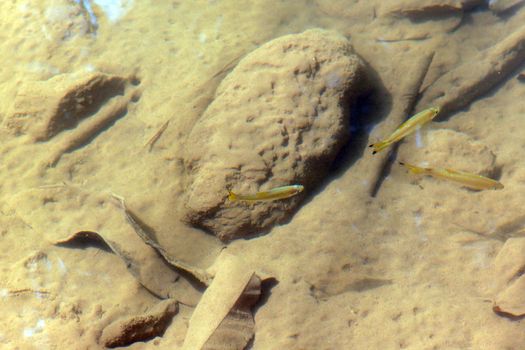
<point x="113" y="9"/>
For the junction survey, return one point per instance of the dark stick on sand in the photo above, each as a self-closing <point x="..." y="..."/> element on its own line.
<point x="401" y="110"/>
<point x="457" y="88"/>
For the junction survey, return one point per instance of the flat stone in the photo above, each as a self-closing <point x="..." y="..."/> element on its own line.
<point x="153" y="323"/>
<point x="42" y="109"/>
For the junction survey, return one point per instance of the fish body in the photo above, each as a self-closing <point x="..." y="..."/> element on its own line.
<point x="273" y="194"/>
<point x="407" y="128"/>
<point x="473" y="181"/>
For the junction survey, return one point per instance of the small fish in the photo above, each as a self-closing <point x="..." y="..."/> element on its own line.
<point x="273" y="194"/>
<point x="406" y="128"/>
<point x="473" y="181"/>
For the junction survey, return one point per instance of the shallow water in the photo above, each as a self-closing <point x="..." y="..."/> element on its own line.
<point x="126" y="123"/>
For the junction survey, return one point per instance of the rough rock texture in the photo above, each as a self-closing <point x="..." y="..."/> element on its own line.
<point x="279" y="118"/>
<point x="508" y="278"/>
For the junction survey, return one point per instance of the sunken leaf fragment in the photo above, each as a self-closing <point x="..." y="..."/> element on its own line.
<point x="65" y="214"/>
<point x="137" y="224"/>
<point x="417" y="9"/>
<point x="223" y="317"/>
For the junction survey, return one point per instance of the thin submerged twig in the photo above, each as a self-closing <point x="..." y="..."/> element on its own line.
<point x="151" y="142"/>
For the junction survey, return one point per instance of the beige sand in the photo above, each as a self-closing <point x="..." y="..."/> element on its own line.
<point x="414" y="267"/>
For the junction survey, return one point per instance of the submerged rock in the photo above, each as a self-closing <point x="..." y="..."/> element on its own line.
<point x="509" y="281"/>
<point x="459" y="87"/>
<point x="153" y="323"/>
<point x="279" y="118"/>
<point x="42" y="109"/>
<point x="501" y="6"/>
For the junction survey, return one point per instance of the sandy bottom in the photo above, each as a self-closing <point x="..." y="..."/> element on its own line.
<point x="413" y="267"/>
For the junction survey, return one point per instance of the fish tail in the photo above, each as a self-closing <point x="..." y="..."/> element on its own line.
<point x="378" y="146"/>
<point x="414" y="169"/>
<point x="232" y="196"/>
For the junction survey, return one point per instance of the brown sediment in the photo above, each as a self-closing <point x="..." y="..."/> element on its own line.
<point x="458" y="87"/>
<point x="401" y="108"/>
<point x="345" y="261"/>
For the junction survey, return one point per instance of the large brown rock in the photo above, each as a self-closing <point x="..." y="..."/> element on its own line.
<point x="280" y="117"/>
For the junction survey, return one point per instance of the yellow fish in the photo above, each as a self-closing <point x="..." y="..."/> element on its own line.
<point x="407" y="128"/>
<point x="473" y="181"/>
<point x="273" y="194"/>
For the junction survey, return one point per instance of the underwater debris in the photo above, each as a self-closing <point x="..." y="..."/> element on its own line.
<point x="151" y="142"/>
